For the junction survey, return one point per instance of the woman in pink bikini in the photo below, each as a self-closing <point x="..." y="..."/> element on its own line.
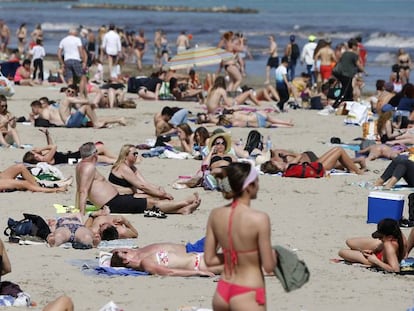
<point x="244" y="236"/>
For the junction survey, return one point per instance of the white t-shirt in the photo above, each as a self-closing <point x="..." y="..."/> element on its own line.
<point x="70" y="46"/>
<point x="111" y="43"/>
<point x="38" y="51"/>
<point x="280" y="72"/>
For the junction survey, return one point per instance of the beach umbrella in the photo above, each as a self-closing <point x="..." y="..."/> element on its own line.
<point x="197" y="57"/>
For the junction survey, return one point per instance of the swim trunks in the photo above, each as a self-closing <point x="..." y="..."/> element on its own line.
<point x="261" y="120"/>
<point x="127" y="204"/>
<point x="75" y="119"/>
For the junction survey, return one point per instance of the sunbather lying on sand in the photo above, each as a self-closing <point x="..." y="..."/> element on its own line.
<point x="70" y="228"/>
<point x="50" y="155"/>
<point x="8" y="181"/>
<point x="333" y="158"/>
<point x="164" y="259"/>
<point x="376" y="151"/>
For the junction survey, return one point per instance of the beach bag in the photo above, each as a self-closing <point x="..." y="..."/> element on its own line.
<point x="290" y="270"/>
<point x="10" y="289"/>
<point x="357" y="113"/>
<point x="6" y="87"/>
<point x="254" y="141"/>
<point x="165" y="92"/>
<point x="18" y="228"/>
<point x="305" y="170"/>
<point x="31" y="224"/>
<point x="294" y="55"/>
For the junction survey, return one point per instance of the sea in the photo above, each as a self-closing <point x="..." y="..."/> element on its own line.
<point x="385" y="26"/>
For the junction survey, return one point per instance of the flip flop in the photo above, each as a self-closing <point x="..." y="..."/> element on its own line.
<point x="155" y="212"/>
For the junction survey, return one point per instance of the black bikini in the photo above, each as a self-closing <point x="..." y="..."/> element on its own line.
<point x="119" y="181"/>
<point x="217" y="158"/>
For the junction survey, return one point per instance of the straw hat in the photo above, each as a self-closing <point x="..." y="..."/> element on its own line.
<point x="226" y="138"/>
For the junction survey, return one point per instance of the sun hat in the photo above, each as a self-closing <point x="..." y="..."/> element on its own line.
<point x="223" y="135"/>
<point x="311" y="38"/>
<point x="385" y="227"/>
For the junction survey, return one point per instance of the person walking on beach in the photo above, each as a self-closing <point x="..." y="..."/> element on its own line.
<point x="306" y="57"/>
<point x="326" y="57"/>
<point x="273" y="60"/>
<point x="346" y="68"/>
<point x="73" y="59"/>
<point x="38" y="52"/>
<point x="282" y="83"/>
<point x="292" y="51"/>
<point x="111" y="45"/>
<point x="247" y="254"/>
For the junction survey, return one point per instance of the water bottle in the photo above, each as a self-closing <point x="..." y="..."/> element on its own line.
<point x="269" y="143"/>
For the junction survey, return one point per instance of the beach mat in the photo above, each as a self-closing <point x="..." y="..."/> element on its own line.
<point x="406" y="266"/>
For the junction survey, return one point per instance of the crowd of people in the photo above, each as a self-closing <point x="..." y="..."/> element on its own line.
<point x="242" y="257"/>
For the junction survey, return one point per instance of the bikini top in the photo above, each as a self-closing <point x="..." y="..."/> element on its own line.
<point x="231" y="252"/>
<point x="217" y="158"/>
<point x="119" y="181"/>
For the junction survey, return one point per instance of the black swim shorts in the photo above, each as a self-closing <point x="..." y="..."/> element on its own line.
<point x="127" y="204"/>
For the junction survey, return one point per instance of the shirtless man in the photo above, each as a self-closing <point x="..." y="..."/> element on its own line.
<point x="273" y="60"/>
<point x="91" y="185"/>
<point x="76" y="119"/>
<point x="182" y="42"/>
<point x="166" y="121"/>
<point x="167" y="259"/>
<point x="49" y="112"/>
<point x="327" y="56"/>
<point x="4" y="36"/>
<point x="110" y="227"/>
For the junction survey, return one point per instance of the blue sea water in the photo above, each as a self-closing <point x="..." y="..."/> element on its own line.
<point x="384" y="25"/>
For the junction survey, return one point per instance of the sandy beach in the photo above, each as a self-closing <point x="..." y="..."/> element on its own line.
<point x="313" y="216"/>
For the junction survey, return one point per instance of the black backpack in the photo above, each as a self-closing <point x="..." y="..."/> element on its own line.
<point x="295" y="53"/>
<point x="31" y="224"/>
<point x="254" y="141"/>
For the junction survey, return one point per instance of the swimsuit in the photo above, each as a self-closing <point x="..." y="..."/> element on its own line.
<point x="261" y="120"/>
<point x="127" y="204"/>
<point x="73" y="227"/>
<point x="162" y="258"/>
<point x="217" y="158"/>
<point x="229" y="290"/>
<point x="63" y="158"/>
<point x="119" y="181"/>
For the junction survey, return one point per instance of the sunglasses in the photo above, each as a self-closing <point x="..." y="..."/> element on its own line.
<point x="3" y="105"/>
<point x="220" y="143"/>
<point x="135" y="153"/>
<point x="70" y="91"/>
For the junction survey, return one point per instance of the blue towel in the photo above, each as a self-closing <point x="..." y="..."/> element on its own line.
<point x="197" y="247"/>
<point x="123" y="271"/>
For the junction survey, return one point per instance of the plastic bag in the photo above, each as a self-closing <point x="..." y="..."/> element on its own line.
<point x="6" y="87"/>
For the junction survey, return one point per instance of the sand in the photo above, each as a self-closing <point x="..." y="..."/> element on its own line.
<point x="313" y="216"/>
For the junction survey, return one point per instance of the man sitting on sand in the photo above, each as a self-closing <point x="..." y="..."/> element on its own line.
<point x="167" y="259"/>
<point x="84" y="108"/>
<point x="166" y="121"/>
<point x="93" y="186"/>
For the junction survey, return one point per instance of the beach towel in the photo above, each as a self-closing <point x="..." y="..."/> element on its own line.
<point x="67" y="209"/>
<point x="406" y="266"/>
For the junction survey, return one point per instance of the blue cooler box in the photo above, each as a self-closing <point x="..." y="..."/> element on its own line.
<point x="384" y="205"/>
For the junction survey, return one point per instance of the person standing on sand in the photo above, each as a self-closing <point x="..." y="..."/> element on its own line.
<point x="273" y="60"/>
<point x="246" y="253"/>
<point x="306" y="57"/>
<point x="73" y="59"/>
<point x="292" y="52"/>
<point x="4" y="36"/>
<point x="111" y="45"/>
<point x="182" y="42"/>
<point x="38" y="52"/>
<point x="21" y="34"/>
<point x="91" y="185"/>
<point x="326" y="56"/>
